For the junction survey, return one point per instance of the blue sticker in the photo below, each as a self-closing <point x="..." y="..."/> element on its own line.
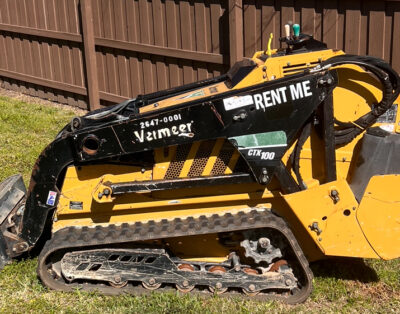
<point x="51" y="199"/>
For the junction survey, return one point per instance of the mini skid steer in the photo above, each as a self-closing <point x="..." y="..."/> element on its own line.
<point x="228" y="185"/>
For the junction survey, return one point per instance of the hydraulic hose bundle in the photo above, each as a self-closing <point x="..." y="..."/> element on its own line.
<point x="390" y="81"/>
<point x="347" y="131"/>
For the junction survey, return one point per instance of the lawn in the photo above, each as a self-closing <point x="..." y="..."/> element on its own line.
<point x="339" y="285"/>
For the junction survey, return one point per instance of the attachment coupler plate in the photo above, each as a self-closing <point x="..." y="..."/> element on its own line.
<point x="12" y="192"/>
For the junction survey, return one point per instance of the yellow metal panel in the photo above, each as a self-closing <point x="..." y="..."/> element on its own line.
<point x="332" y="225"/>
<point x="162" y="161"/>
<point x="186" y="97"/>
<point x="397" y="123"/>
<point x="189" y="161"/>
<point x="379" y="215"/>
<point x="213" y="157"/>
<point x="356" y="92"/>
<point x="232" y="162"/>
<point x="141" y="202"/>
<point x="82" y="186"/>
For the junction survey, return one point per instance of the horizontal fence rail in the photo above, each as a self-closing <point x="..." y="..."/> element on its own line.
<point x="92" y="53"/>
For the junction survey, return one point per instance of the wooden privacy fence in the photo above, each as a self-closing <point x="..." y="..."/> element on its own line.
<point x="99" y="52"/>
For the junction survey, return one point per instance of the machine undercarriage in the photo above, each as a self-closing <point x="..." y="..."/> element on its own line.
<point x="275" y="265"/>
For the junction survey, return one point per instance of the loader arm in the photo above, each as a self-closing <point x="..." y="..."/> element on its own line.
<point x="209" y="119"/>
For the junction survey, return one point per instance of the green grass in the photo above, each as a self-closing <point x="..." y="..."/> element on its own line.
<point x="340" y="285"/>
<point x="25" y="130"/>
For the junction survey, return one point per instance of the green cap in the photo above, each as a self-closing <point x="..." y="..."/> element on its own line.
<point x="296" y="30"/>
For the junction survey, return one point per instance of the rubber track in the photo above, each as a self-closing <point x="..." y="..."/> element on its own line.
<point x="85" y="237"/>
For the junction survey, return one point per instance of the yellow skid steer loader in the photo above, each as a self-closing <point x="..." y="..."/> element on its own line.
<point x="228" y="185"/>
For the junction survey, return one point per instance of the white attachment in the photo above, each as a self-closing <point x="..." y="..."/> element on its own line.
<point x="287" y="30"/>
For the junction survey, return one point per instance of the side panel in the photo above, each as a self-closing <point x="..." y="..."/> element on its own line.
<point x="379" y="215"/>
<point x="78" y="205"/>
<point x="329" y="213"/>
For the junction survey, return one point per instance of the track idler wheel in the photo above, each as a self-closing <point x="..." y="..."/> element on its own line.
<point x="184" y="286"/>
<point x="118" y="285"/>
<point x="151" y="284"/>
<point x="250" y="291"/>
<point x="218" y="289"/>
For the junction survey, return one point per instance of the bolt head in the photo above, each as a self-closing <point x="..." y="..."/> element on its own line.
<point x="264" y="242"/>
<point x="288" y="282"/>
<point x="218" y="285"/>
<point x="185" y="283"/>
<point x="264" y="179"/>
<point x="252" y="287"/>
<point x="152" y="281"/>
<point x="100" y="195"/>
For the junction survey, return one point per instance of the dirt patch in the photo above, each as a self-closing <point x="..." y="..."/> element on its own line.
<point x="380" y="292"/>
<point x="40" y="101"/>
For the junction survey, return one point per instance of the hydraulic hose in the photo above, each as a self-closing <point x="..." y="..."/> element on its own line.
<point x="390" y="81"/>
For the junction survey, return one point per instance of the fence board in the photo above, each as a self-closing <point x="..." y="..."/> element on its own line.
<point x="141" y="46"/>
<point x="376" y="28"/>
<point x="90" y="54"/>
<point x="394" y="8"/>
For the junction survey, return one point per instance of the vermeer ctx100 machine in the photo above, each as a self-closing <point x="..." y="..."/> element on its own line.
<point x="228" y="185"/>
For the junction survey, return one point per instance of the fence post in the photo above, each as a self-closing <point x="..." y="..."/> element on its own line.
<point x="235" y="10"/>
<point x="90" y="54"/>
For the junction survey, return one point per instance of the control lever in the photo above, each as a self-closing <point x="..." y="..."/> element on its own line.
<point x="297" y="36"/>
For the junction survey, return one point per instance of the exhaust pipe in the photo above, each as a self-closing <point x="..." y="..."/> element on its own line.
<point x="12" y="196"/>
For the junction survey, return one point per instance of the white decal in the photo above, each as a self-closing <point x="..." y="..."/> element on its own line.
<point x="261" y="154"/>
<point x="300" y="90"/>
<point x="271" y="97"/>
<point x="195" y="94"/>
<point x="387" y="127"/>
<point x="237" y="102"/>
<point x="149" y="123"/>
<point x="175" y="130"/>
<point x="51" y="198"/>
<point x="155" y="122"/>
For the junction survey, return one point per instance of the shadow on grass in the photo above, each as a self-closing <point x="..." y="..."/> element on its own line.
<point x="345" y="268"/>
